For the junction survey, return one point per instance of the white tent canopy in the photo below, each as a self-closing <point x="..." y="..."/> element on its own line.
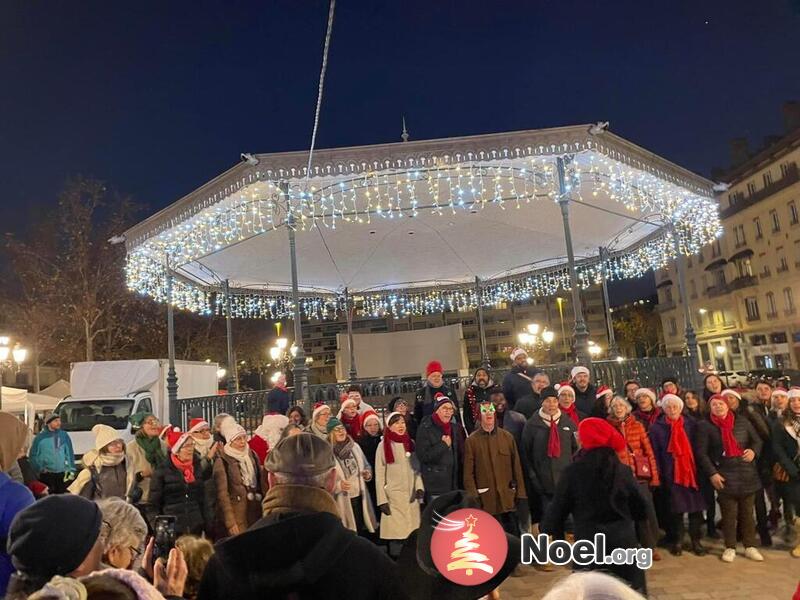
<point x="60" y="389"/>
<point x="410" y="226"/>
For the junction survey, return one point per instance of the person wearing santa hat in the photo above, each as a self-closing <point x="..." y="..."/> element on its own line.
<point x="399" y="484"/>
<point x="348" y="415"/>
<point x="566" y="403"/>
<point x="585" y="392"/>
<point x="518" y="382"/>
<point x="434" y="384"/>
<point x="647" y="411"/>
<point x="267" y="435"/>
<point x="319" y="421"/>
<point x="440" y="449"/>
<point x="240" y="481"/>
<point x="370" y="438"/>
<point x="786" y="443"/>
<point x="354" y="392"/>
<point x="549" y="441"/>
<point x="674" y="439"/>
<point x="602" y="400"/>
<point x="208" y="449"/>
<point x="602" y="496"/>
<point x="204" y="443"/>
<point x="177" y="486"/>
<point x="727" y="450"/>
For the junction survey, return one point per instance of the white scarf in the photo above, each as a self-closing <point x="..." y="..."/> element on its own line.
<point x="203" y="445"/>
<point x="245" y="464"/>
<point x="95" y="459"/>
<point x="547" y="418"/>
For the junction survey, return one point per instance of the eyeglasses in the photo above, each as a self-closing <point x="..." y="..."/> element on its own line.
<point x="135" y="552"/>
<point x="487" y="408"/>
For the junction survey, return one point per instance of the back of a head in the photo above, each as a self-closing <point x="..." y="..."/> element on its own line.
<point x="591" y="585"/>
<point x="105" y="587"/>
<point x="197" y="551"/>
<point x="303" y="458"/>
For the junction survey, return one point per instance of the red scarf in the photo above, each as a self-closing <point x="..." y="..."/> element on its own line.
<point x="554" y="441"/>
<point x="352" y="425"/>
<point x="445" y="427"/>
<point x="390" y="436"/>
<point x="682" y="456"/>
<point x="572" y="411"/>
<point x="187" y="468"/>
<point x="729" y="445"/>
<point x="651" y="417"/>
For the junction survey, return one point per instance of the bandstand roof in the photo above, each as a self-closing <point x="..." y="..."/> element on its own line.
<point x="409" y="226"/>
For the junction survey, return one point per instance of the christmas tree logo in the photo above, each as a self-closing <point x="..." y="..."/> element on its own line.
<point x="468" y="546"/>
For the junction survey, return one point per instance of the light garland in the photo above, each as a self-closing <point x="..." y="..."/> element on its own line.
<point x="448" y="185"/>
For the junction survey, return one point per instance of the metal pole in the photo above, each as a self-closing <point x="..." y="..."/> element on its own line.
<point x="691" y="337"/>
<point x="233" y="379"/>
<point x="581" y="333"/>
<point x="1" y="387"/>
<point x="481" y="332"/>
<point x="350" y="308"/>
<point x="172" y="376"/>
<point x="613" y="351"/>
<point x="300" y="370"/>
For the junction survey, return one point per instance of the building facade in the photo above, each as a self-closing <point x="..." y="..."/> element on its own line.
<point x="502" y="326"/>
<point x="743" y="289"/>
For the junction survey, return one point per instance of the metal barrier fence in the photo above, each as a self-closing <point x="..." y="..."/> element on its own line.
<point x="248" y="407"/>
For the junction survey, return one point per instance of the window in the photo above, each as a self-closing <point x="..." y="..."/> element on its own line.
<point x="693" y="288"/>
<point x="716" y="250"/>
<point x="673" y="327"/>
<point x="788" y="300"/>
<point x="758" y="340"/>
<point x="744" y="267"/>
<point x="719" y="278"/>
<point x="738" y="232"/>
<point x="776" y="223"/>
<point x="705" y="282"/>
<point x="778" y="338"/>
<point x="783" y="264"/>
<point x="751" y="304"/>
<point x="757" y="223"/>
<point x="784" y="169"/>
<point x="772" y="309"/>
<point x="751" y="188"/>
<point x="668" y="294"/>
<point x="793" y="219"/>
<point x="700" y="257"/>
<point x="767" y="179"/>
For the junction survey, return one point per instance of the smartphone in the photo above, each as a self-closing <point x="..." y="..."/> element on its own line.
<point x="164" y="536"/>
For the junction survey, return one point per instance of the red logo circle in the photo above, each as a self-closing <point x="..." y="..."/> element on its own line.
<point x="468" y="546"/>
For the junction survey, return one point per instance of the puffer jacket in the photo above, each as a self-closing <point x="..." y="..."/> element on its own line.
<point x="171" y="495"/>
<point x="741" y="478"/>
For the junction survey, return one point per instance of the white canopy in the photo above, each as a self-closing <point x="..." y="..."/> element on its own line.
<point x="60" y="389"/>
<point x="409" y="226"/>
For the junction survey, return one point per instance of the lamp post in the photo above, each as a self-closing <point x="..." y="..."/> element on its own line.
<point x="10" y="358"/>
<point x="284" y="357"/>
<point x="534" y="338"/>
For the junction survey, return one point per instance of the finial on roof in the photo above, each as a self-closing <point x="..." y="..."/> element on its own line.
<point x="404" y="135"/>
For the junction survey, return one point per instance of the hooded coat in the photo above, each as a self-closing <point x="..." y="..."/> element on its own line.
<point x="300" y="550"/>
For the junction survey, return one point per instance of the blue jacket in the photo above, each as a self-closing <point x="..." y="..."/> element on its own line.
<point x="13" y="498"/>
<point x="52" y="452"/>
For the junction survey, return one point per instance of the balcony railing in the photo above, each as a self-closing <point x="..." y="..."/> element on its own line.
<point x="742" y="282"/>
<point x="248" y="407"/>
<point x="792" y="175"/>
<point x="771" y="316"/>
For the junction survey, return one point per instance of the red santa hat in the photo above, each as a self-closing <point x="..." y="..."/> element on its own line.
<point x="565" y="386"/>
<point x="794" y="392"/>
<point x="371" y="415"/>
<point x="197" y="424"/>
<point x="604" y="390"/>
<point x="433" y="367"/>
<point x="518" y="352"/>
<point x="667" y="398"/>
<point x="778" y="391"/>
<point x="599" y="433"/>
<point x="164" y="431"/>
<point x="646" y="392"/>
<point x="176" y="438"/>
<point x="318" y="408"/>
<point x="733" y="393"/>
<point x="577" y="370"/>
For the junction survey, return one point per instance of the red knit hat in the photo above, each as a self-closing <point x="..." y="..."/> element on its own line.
<point x="599" y="433"/>
<point x="433" y="367"/>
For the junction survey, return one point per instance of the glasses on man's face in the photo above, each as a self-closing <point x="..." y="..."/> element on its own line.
<point x="487" y="409"/>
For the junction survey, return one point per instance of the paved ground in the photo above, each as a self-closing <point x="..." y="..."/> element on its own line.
<point x="691" y="577"/>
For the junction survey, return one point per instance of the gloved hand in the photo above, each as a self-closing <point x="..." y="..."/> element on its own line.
<point x="384" y="508"/>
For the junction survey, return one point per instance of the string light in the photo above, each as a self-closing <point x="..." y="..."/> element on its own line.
<point x="358" y="193"/>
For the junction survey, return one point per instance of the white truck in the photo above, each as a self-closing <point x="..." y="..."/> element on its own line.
<point x="109" y="392"/>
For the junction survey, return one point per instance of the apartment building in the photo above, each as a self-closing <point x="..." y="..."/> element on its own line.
<point x="743" y="289"/>
<point x="502" y="325"/>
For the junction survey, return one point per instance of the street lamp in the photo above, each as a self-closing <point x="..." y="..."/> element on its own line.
<point x="594" y="349"/>
<point x="10" y="358"/>
<point x="720" y="349"/>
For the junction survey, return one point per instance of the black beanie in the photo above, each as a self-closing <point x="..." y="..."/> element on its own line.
<point x="54" y="535"/>
<point x="548" y="392"/>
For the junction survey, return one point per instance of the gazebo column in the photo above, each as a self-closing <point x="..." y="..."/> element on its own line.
<point x="300" y="370"/>
<point x="233" y="379"/>
<point x="172" y="375"/>
<point x="581" y="333"/>
<point x="613" y="351"/>
<point x="350" y="308"/>
<point x="690" y="336"/>
<point x="481" y="332"/>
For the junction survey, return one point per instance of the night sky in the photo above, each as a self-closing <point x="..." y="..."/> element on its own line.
<point x="157" y="98"/>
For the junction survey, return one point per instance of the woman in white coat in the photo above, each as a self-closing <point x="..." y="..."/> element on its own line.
<point x="352" y="473"/>
<point x="398" y="484"/>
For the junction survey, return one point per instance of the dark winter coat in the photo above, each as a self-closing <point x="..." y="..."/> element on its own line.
<point x="513" y="422"/>
<point x="586" y="400"/>
<point x="171" y="495"/>
<point x="682" y="499"/>
<point x="423" y="402"/>
<point x="544" y="471"/>
<point x="278" y="401"/>
<point x="787" y="454"/>
<point x="303" y="554"/>
<point x="473" y="397"/>
<point x="440" y="465"/>
<point x="741" y="478"/>
<point x="517" y="384"/>
<point x="602" y="496"/>
<point x="369" y="444"/>
<point x="754" y="413"/>
<point x="529" y="405"/>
